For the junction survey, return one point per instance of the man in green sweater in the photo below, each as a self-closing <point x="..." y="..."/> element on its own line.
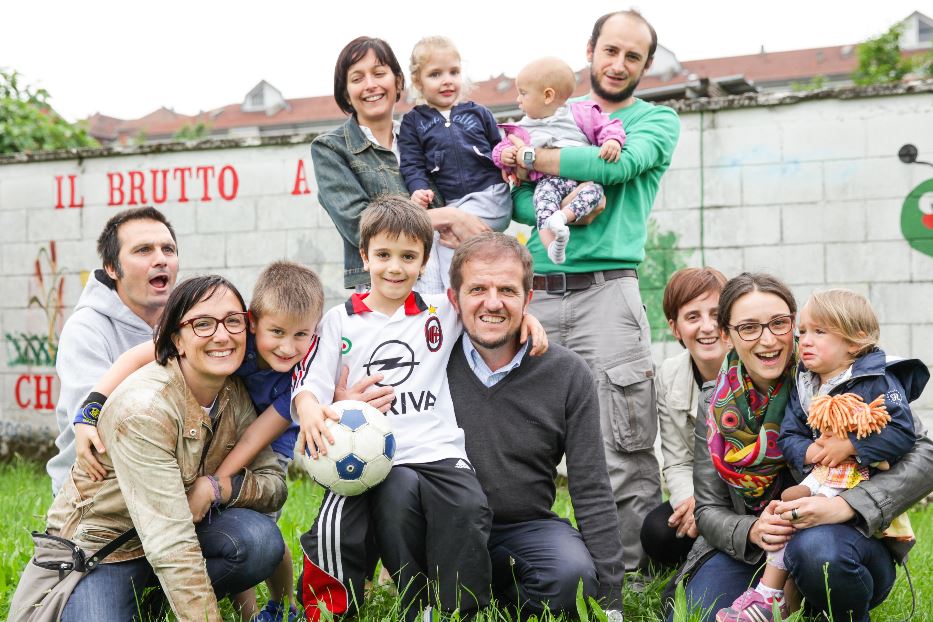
<point x="591" y="303"/>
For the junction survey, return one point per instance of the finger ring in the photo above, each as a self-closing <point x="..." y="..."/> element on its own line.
<point x="794" y="515"/>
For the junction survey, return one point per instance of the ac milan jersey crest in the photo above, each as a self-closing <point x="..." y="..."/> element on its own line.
<point x="433" y="334"/>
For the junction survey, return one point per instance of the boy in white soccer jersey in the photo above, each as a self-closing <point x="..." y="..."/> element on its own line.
<point x="428" y="521"/>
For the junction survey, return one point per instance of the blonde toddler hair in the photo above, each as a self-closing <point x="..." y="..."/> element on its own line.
<point x="848" y="315"/>
<point x="420" y="55"/>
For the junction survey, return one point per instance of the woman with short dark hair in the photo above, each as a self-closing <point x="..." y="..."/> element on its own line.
<point x="166" y="427"/>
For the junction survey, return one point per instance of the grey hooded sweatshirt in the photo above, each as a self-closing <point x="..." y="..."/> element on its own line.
<point x="100" y="329"/>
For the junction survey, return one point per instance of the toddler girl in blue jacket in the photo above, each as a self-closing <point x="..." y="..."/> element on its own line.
<point x="449" y="142"/>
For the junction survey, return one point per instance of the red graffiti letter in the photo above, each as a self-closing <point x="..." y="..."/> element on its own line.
<point x="183" y="188"/>
<point x="234" y="182"/>
<point x="71" y="199"/>
<point x="156" y="197"/>
<point x="137" y="179"/>
<point x="301" y="180"/>
<point x="44" y="390"/>
<point x="208" y="171"/>
<point x="58" y="192"/>
<point x="115" y="188"/>
<point x="22" y="403"/>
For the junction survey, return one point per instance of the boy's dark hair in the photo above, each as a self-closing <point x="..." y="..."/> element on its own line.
<point x="598" y="29"/>
<point x="108" y="244"/>
<point x="491" y="246"/>
<point x="289" y="288"/>
<point x="395" y="216"/>
<point x="746" y="283"/>
<point x="353" y="53"/>
<point x="186" y="294"/>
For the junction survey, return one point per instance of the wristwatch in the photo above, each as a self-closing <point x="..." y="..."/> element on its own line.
<point x="527" y="155"/>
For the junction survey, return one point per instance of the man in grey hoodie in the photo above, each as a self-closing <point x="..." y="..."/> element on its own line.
<point x="118" y="309"/>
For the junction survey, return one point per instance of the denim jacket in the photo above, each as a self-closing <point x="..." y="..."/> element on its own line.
<point x="159" y="441"/>
<point x="457" y="156"/>
<point x="350" y="172"/>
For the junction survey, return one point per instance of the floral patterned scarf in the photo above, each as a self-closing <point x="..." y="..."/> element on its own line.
<point x="742" y="431"/>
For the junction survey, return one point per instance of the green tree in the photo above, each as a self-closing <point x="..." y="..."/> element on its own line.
<point x="195" y="131"/>
<point x="880" y="60"/>
<point x="662" y="259"/>
<point x="28" y="122"/>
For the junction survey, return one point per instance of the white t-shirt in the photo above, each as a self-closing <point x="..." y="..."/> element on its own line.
<point x="411" y="349"/>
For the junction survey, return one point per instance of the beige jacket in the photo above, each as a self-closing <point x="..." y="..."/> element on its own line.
<point x="159" y="441"/>
<point x="678" y="396"/>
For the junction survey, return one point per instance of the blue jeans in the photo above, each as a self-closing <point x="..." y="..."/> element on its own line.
<point x="860" y="573"/>
<point x="241" y="547"/>
<point x="537" y="563"/>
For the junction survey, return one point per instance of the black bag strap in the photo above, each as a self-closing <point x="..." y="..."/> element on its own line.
<point x="92" y="561"/>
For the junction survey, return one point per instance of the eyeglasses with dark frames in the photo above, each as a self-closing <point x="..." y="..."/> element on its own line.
<point x="750" y="331"/>
<point x="206" y="326"/>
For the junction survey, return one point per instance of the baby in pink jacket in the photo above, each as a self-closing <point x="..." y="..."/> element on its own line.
<point x="544" y="86"/>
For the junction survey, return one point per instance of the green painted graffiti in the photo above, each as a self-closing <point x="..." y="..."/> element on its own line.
<point x="30" y="350"/>
<point x="662" y="259"/>
<point x="917" y="218"/>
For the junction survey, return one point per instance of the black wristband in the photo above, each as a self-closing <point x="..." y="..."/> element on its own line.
<point x="90" y="408"/>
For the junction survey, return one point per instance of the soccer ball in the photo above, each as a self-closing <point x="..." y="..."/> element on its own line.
<point x="361" y="455"/>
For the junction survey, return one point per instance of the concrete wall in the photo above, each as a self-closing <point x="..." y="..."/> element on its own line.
<point x="811" y="190"/>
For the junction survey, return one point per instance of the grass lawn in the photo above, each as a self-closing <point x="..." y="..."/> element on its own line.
<point x="24" y="490"/>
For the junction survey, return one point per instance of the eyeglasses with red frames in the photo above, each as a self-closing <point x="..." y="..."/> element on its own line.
<point x="206" y="326"/>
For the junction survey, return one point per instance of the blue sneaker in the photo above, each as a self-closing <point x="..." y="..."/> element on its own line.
<point x="274" y="611"/>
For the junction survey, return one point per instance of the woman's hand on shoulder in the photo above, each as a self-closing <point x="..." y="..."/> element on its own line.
<point x="815" y="510"/>
<point x="770" y="532"/>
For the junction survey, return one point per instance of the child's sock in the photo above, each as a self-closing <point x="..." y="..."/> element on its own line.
<point x="557" y="223"/>
<point x="556" y="249"/>
<point x="770" y="593"/>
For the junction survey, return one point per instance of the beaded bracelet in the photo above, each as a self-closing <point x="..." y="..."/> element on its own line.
<point x="215" y="484"/>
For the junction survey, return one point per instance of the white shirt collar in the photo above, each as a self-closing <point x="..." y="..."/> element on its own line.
<point x="487" y="376"/>
<point x="396" y="124"/>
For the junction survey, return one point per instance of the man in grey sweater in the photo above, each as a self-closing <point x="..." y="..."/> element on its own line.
<point x="117" y="310"/>
<point x="520" y="414"/>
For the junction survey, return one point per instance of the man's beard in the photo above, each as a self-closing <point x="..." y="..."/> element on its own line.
<point x="611" y="96"/>
<point x="492" y="344"/>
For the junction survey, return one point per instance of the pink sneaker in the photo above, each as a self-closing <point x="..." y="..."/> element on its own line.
<point x="750" y="606"/>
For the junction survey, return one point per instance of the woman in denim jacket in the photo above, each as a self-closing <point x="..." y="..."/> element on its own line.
<point x="359" y="160"/>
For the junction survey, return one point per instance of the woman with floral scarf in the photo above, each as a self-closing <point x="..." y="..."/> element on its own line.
<point x="739" y="474"/>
